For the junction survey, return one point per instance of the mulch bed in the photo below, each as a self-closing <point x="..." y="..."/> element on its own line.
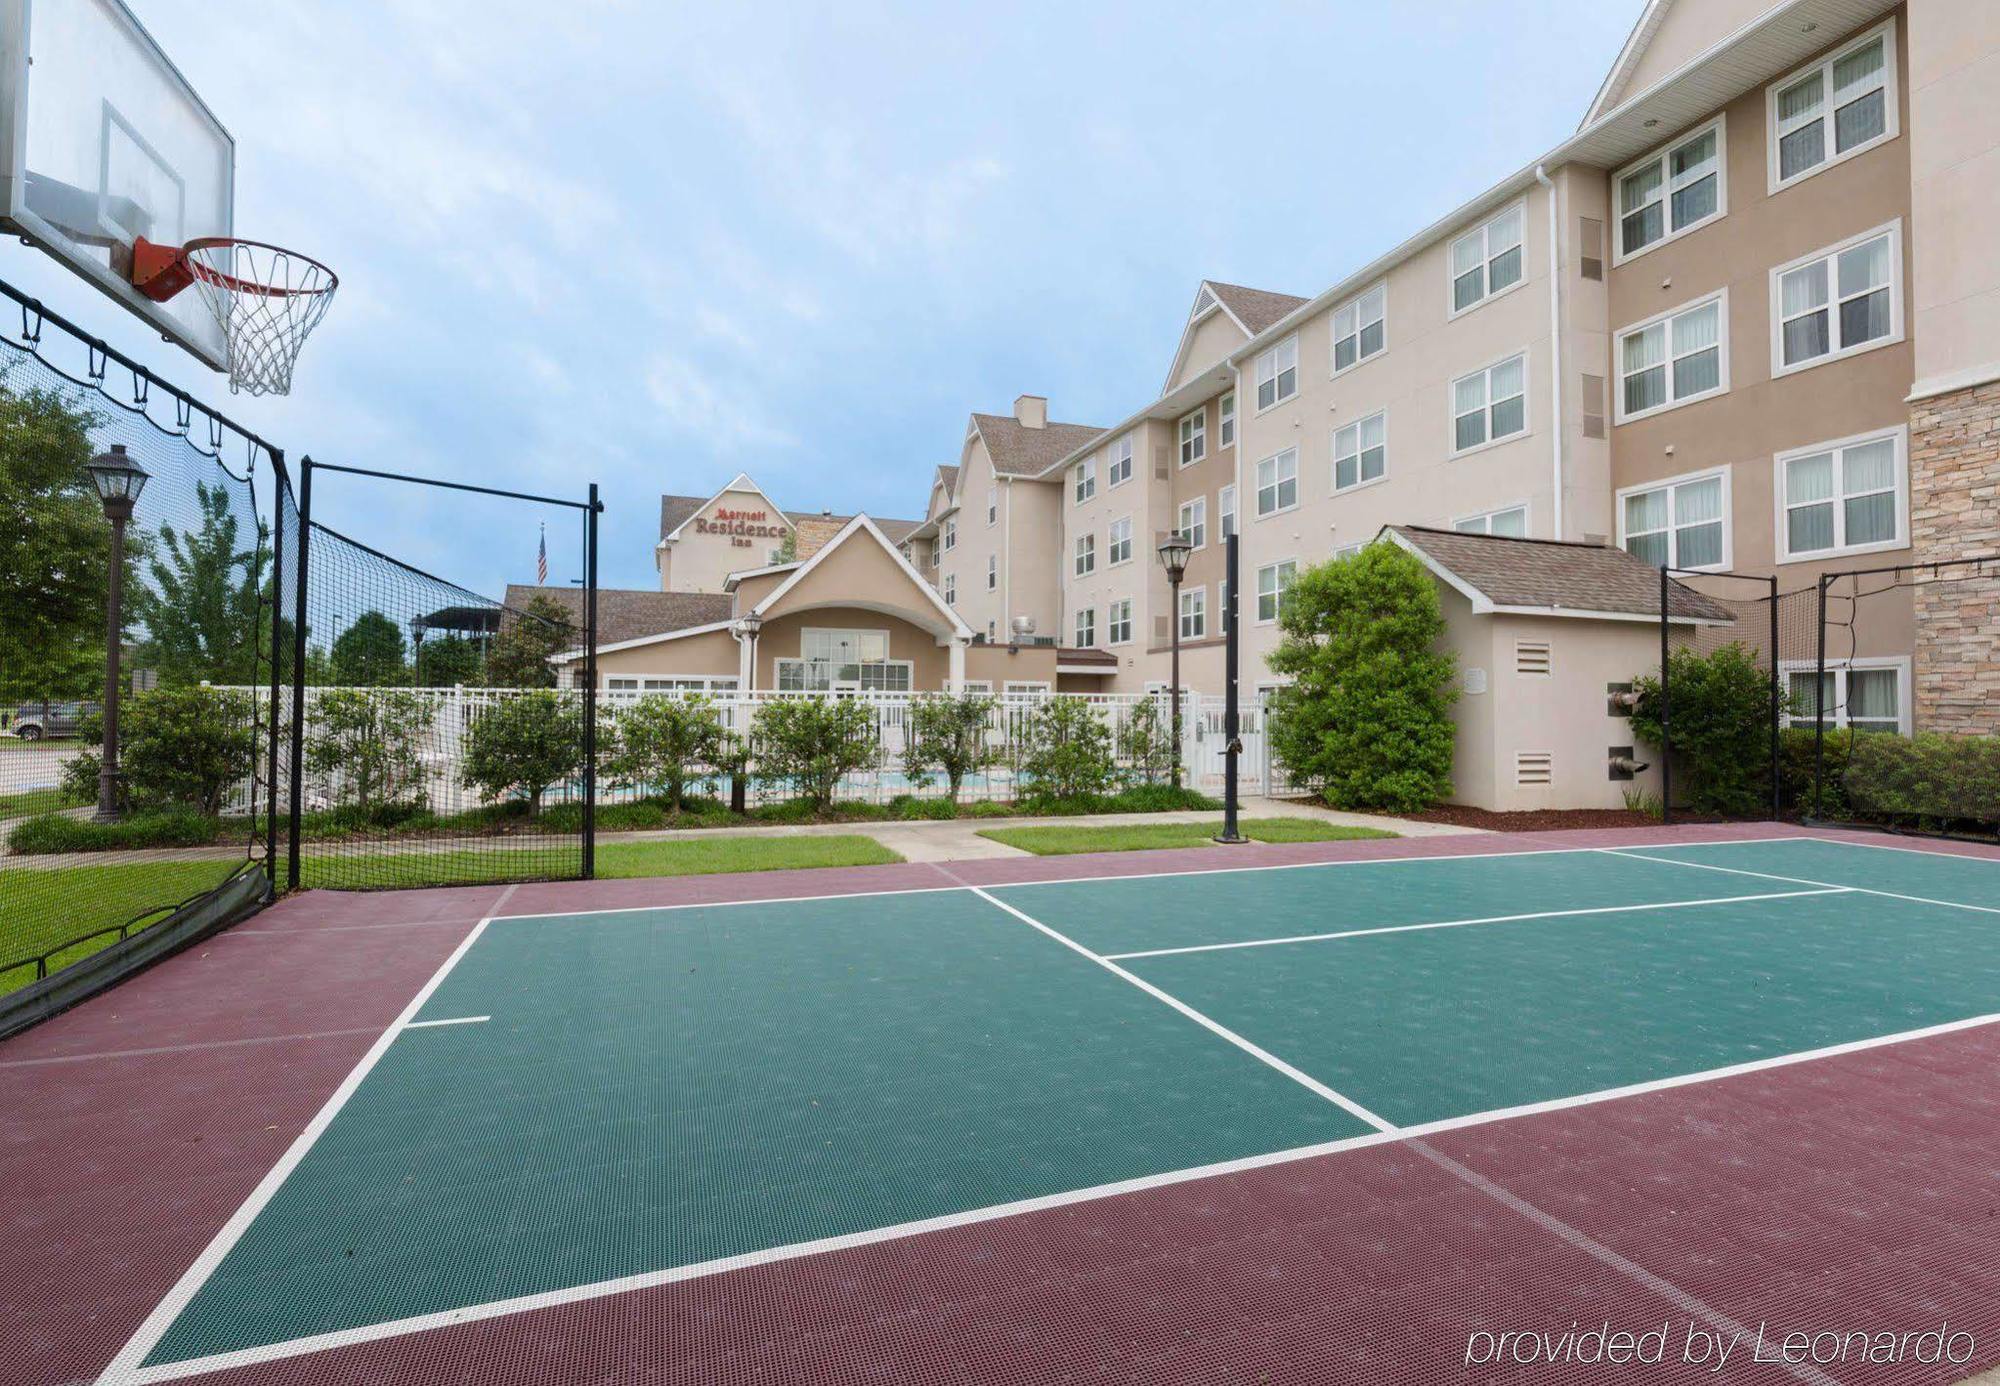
<point x="1546" y="820"/>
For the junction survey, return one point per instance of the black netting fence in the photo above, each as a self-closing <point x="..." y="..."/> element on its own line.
<point x="135" y="746"/>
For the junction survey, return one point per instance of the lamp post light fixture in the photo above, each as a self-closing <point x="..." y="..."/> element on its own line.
<point x="746" y="628"/>
<point x="119" y="480"/>
<point x="1174" y="558"/>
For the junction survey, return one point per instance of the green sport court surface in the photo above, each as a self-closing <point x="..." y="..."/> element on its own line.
<point x="581" y="1104"/>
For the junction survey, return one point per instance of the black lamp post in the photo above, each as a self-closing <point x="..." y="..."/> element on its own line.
<point x="1174" y="558"/>
<point x="119" y="480"/>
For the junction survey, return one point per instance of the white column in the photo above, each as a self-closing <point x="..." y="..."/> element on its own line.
<point x="746" y="661"/>
<point x="956" y="679"/>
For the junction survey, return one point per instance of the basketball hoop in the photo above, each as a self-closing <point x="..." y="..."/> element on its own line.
<point x="266" y="299"/>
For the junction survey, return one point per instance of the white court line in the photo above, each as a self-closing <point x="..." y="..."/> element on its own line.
<point x="1874" y="847"/>
<point x="1461" y="923"/>
<point x="454" y="1020"/>
<point x="297" y="1347"/>
<point x="124" y="1368"/>
<point x="1795" y="880"/>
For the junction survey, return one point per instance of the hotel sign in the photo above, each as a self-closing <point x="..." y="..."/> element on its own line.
<point x="741" y="526"/>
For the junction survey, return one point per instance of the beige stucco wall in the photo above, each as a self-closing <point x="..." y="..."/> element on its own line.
<point x="1211" y="339"/>
<point x="698" y="562"/>
<point x="780" y="639"/>
<point x="997" y="665"/>
<point x="1689" y="28"/>
<point x="858" y="573"/>
<point x="713" y="652"/>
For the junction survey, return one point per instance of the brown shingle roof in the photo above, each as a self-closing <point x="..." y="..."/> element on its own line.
<point x="949" y="476"/>
<point x="1017" y="450"/>
<point x="1256" y="309"/>
<point x="1559" y="576"/>
<point x="625" y="613"/>
<point x="675" y="511"/>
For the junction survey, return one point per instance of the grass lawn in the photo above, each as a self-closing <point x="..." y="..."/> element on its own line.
<point x="41" y="907"/>
<point x="1059" y="839"/>
<point x="703" y="856"/>
<point x="28" y="801"/>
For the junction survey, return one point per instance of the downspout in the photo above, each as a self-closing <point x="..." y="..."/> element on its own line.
<point x="1555" y="349"/>
<point x="1006" y="626"/>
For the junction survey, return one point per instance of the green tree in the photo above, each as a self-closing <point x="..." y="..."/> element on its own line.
<point x="54" y="546"/>
<point x="201" y="610"/>
<point x="366" y="745"/>
<point x="523" y="744"/>
<point x="1719" y="708"/>
<point x="662" y="742"/>
<point x="520" y="654"/>
<point x="948" y="736"/>
<point x="444" y="661"/>
<point x="369" y="653"/>
<point x="813" y="743"/>
<point x="1066" y="750"/>
<point x="1146" y="742"/>
<point x="1367" y="712"/>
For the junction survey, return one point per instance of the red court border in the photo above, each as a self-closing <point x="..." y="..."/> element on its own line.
<point x="1858" y="1192"/>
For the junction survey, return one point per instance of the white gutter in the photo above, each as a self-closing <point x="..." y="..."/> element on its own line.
<point x="1555" y="347"/>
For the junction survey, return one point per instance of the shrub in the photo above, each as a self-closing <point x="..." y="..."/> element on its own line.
<point x="910" y="808"/>
<point x="947" y="735"/>
<point x="180" y="826"/>
<point x="1796" y="761"/>
<point x="1719" y="707"/>
<point x="1066" y="751"/>
<point x="1367" y="711"/>
<point x="522" y="745"/>
<point x="1146" y="742"/>
<point x="184" y="747"/>
<point x="1936" y="780"/>
<point x="813" y="743"/>
<point x="364" y="745"/>
<point x="664" y="743"/>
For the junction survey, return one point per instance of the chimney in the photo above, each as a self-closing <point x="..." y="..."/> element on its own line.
<point x="1031" y="411"/>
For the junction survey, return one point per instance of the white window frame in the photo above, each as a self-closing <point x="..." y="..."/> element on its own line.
<point x="992" y="506"/>
<point x="1085" y="489"/>
<point x="1277" y="483"/>
<point x="951" y="589"/>
<point x="1226" y="421"/>
<point x="1192" y="515"/>
<point x="1619" y="254"/>
<point x="1831" y="254"/>
<point x="1349" y="550"/>
<point x="1840" y="669"/>
<point x="1113" y="541"/>
<point x="976" y="686"/>
<point x="1891" y="98"/>
<point x="1086" y="628"/>
<point x="1335" y="336"/>
<point x="1281" y="583"/>
<point x="1484" y="232"/>
<point x="1198" y="594"/>
<point x="1289" y="348"/>
<point x="1720" y="298"/>
<point x="1083" y="554"/>
<point x="1487" y="517"/>
<point x="1334" y="454"/>
<point x="1023" y="688"/>
<point x="950" y="531"/>
<point x="992" y="572"/>
<point x="1781" y="506"/>
<point x="1118" y="467"/>
<point x="1116" y="614"/>
<point x="1191" y="436"/>
<point x="1527" y="406"/>
<point x="1225" y="510"/>
<point x="1670" y="484"/>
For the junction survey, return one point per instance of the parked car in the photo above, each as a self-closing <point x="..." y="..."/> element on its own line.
<point x="33" y="721"/>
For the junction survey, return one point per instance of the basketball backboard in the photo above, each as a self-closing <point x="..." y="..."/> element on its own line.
<point x="102" y="141"/>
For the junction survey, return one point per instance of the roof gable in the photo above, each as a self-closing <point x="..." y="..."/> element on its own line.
<point x="672" y="508"/>
<point x="1552" y="577"/>
<point x="1669" y="33"/>
<point x="1019" y="451"/>
<point x="1254" y="309"/>
<point x="861" y="529"/>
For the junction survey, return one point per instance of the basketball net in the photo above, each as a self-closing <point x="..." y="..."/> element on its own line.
<point x="267" y="300"/>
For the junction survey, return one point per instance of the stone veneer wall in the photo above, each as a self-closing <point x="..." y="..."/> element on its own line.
<point x="1955" y="513"/>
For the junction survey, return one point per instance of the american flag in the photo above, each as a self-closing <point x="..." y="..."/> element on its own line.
<point x="542" y="558"/>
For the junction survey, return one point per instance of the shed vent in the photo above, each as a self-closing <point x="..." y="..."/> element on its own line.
<point x="1161" y="630"/>
<point x="1593" y="406"/>
<point x="1531" y="657"/>
<point x="1161" y="470"/>
<point x="1590" y="247"/>
<point x="1534" y="767"/>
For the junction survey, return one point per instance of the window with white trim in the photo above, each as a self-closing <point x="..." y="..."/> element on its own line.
<point x="1118" y="622"/>
<point x="1225" y="510"/>
<point x="950" y="533"/>
<point x="1676" y="358"/>
<point x="1349" y="550"/>
<point x="1360" y="452"/>
<point x="1511" y="523"/>
<point x="1226" y="431"/>
<point x="1118" y="545"/>
<point x="1843" y="497"/>
<point x="1489" y="405"/>
<point x="1086" y="554"/>
<point x="992" y="572"/>
<point x="1682" y="523"/>
<point x="1022" y="688"/>
<point x="1360" y="328"/>
<point x="1086" y="479"/>
<point x="1194" y="436"/>
<point x="1277" y="374"/>
<point x="1086" y="627"/>
<point x="951" y="589"/>
<point x="1488" y="258"/>
<point x="1274" y="580"/>
<point x="831" y="658"/>
<point x="1858" y="694"/>
<point x="1833" y="110"/>
<point x="1194" y="613"/>
<point x="1838" y="302"/>
<point x="992" y="505"/>
<point x="1278" y="483"/>
<point x="1192" y="521"/>
<point x="1120" y="469"/>
<point x="1672" y="192"/>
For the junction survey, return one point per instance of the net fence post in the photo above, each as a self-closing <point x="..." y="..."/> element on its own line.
<point x="1819" y="701"/>
<point x="1232" y="744"/>
<point x="1777" y="702"/>
<point x="298" y="736"/>
<point x="590" y="686"/>
<point x="277" y="661"/>
<point x="1666" y="733"/>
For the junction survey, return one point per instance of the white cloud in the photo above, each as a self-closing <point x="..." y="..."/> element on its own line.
<point x="692" y="403"/>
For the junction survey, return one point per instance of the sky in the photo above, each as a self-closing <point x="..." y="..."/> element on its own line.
<point x="654" y="244"/>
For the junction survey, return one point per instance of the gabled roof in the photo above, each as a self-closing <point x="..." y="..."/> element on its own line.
<point x="947" y="477"/>
<point x="1643" y="31"/>
<point x="1254" y="309"/>
<point x="1553" y="577"/>
<point x="858" y="530"/>
<point x="627" y="613"/>
<point x="676" y="511"/>
<point x="1018" y="450"/>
